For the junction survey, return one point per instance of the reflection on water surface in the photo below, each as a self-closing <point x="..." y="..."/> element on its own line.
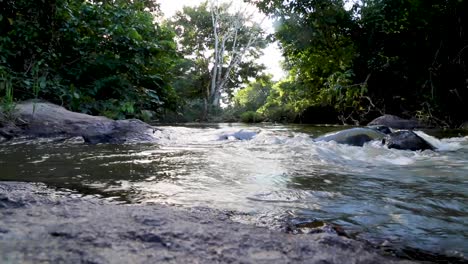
<point x="411" y="199"/>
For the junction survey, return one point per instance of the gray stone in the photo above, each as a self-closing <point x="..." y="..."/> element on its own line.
<point x="41" y="225"/>
<point x="239" y="135"/>
<point x="354" y="136"/>
<point x="42" y="119"/>
<point x="396" y="122"/>
<point x="406" y="140"/>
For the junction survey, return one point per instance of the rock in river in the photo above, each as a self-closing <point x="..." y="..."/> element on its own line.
<point x="354" y="136"/>
<point x="407" y="140"/>
<point x="43" y="119"/>
<point x="404" y="139"/>
<point x="396" y="122"/>
<point x="239" y="135"/>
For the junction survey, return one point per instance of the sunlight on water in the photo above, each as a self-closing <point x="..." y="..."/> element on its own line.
<point x="271" y="173"/>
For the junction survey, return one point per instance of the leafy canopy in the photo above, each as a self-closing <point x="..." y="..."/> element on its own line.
<point x="99" y="57"/>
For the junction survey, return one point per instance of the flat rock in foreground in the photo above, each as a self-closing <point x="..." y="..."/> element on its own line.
<point x="38" y="224"/>
<point x="43" y="119"/>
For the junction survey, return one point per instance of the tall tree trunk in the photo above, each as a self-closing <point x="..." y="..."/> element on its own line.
<point x="223" y="33"/>
<point x="214" y="72"/>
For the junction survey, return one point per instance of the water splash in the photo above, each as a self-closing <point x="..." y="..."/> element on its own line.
<point x="449" y="144"/>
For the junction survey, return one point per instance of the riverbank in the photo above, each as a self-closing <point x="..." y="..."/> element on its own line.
<point x="39" y="224"/>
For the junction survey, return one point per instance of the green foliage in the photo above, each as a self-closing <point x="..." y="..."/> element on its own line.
<point x="347" y="98"/>
<point x="98" y="57"/>
<point x="112" y="58"/>
<point x="415" y="52"/>
<point x="7" y="103"/>
<point x="251" y="117"/>
<point x="395" y="56"/>
<point x="285" y="101"/>
<point x="248" y="100"/>
<point x="316" y="40"/>
<point x="254" y="95"/>
<point x="194" y="29"/>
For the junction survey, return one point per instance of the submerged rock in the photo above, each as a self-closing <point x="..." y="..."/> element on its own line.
<point x="42" y="119"/>
<point x="38" y="224"/>
<point x="239" y="135"/>
<point x="406" y="140"/>
<point x="396" y="122"/>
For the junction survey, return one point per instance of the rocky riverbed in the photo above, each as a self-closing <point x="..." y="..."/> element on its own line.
<point x="42" y="225"/>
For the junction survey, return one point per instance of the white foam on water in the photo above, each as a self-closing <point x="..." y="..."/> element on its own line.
<point x="182" y="135"/>
<point x="370" y="155"/>
<point x="398" y="160"/>
<point x="441" y="145"/>
<point x="263" y="146"/>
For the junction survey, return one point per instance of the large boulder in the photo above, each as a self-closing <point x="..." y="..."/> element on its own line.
<point x="406" y="140"/>
<point x="40" y="225"/>
<point x="396" y="122"/>
<point x="355" y="136"/>
<point x="43" y="119"/>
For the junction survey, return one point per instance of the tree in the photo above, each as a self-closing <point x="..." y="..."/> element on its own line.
<point x="415" y="52"/>
<point x="232" y="39"/>
<point x="316" y="40"/>
<point x="99" y="57"/>
<point x="381" y="56"/>
<point x="220" y="47"/>
<point x="254" y="96"/>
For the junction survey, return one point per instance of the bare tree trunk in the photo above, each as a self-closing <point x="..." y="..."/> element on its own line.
<point x="221" y="73"/>
<point x="214" y="73"/>
<point x="206" y="98"/>
<point x="204" y="116"/>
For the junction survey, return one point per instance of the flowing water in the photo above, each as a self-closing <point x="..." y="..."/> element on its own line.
<point x="408" y="199"/>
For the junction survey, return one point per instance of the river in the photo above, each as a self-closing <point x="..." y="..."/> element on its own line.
<point x="404" y="199"/>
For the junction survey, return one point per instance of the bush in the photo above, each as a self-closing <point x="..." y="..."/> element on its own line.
<point x="251" y="117"/>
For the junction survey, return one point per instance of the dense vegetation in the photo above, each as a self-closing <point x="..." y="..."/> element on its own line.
<point x="98" y="57"/>
<point x="404" y="57"/>
<point x="348" y="64"/>
<point x="220" y="44"/>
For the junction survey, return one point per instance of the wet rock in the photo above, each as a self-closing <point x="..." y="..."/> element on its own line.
<point x="406" y="140"/>
<point x="298" y="226"/>
<point x="355" y="136"/>
<point x="58" y="228"/>
<point x="43" y="119"/>
<point x="384" y="129"/>
<point x="239" y="135"/>
<point x="355" y="140"/>
<point x="396" y="122"/>
<point x="8" y="130"/>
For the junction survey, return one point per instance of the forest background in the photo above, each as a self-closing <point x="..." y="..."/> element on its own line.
<point x="345" y="63"/>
